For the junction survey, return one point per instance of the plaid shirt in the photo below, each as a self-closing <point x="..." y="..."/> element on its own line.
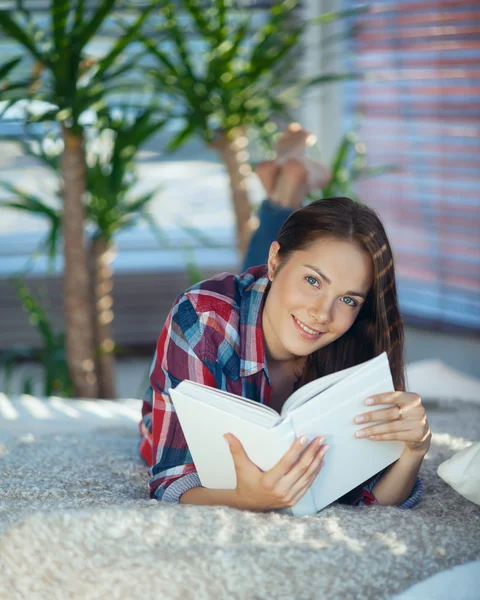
<point x="213" y="335"/>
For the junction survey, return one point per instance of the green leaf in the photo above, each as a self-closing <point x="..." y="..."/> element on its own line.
<point x="16" y="32"/>
<point x="37" y="315"/>
<point x="29" y="203"/>
<point x="48" y="115"/>
<point x="79" y="16"/>
<point x="60" y="10"/>
<point x="8" y="359"/>
<point x="7" y="67"/>
<point x="182" y="136"/>
<point x="196" y="12"/>
<point x="374" y="171"/>
<point x="160" y="235"/>
<point x="130" y="34"/>
<point x="176" y="35"/>
<point x="84" y="34"/>
<point x="329" y="17"/>
<point x="193" y="271"/>
<point x="196" y="233"/>
<point x="329" y="78"/>
<point x="138" y="204"/>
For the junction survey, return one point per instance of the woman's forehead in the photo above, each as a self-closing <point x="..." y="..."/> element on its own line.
<point x="340" y="261"/>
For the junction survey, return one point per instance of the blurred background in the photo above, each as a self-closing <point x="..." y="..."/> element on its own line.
<point x="151" y="116"/>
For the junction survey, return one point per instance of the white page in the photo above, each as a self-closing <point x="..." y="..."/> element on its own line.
<point x="254" y="412"/>
<point x="350" y="460"/>
<point x="317" y="386"/>
<point x="210" y="452"/>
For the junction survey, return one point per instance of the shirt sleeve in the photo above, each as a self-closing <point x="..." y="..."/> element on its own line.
<point x="172" y="471"/>
<point x="363" y="495"/>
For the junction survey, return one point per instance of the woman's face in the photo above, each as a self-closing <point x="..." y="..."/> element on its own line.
<point x="315" y="296"/>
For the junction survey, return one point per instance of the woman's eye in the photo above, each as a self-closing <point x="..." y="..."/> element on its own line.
<point x="349" y="301"/>
<point x="311" y="280"/>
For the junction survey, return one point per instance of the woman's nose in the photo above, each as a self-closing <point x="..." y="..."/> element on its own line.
<point x="322" y="309"/>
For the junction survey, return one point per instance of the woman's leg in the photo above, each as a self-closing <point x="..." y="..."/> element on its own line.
<point x="286" y="181"/>
<point x="286" y="195"/>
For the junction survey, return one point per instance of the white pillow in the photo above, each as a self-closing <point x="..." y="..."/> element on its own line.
<point x="462" y="472"/>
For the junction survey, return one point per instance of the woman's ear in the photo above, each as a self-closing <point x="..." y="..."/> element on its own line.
<point x="273" y="259"/>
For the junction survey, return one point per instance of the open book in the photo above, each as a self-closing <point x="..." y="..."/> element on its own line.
<point x="326" y="406"/>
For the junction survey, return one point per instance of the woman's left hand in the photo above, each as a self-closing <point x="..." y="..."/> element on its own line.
<point x="406" y="421"/>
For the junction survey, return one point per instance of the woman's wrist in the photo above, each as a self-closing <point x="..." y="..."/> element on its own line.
<point x="209" y="497"/>
<point x="420" y="450"/>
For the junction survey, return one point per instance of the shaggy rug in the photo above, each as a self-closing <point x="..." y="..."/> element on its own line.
<point x="76" y="522"/>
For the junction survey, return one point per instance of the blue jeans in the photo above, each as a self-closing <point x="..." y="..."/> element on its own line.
<point x="271" y="217"/>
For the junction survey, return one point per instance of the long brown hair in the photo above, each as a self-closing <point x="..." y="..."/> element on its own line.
<point x="378" y="326"/>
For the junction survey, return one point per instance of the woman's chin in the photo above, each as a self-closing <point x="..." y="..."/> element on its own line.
<point x="306" y="347"/>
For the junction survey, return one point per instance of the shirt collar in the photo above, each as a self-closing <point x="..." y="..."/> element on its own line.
<point x="252" y="347"/>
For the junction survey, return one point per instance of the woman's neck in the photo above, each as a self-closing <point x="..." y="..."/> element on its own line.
<point x="292" y="367"/>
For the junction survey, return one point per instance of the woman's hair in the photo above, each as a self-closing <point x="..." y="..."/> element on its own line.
<point x="378" y="326"/>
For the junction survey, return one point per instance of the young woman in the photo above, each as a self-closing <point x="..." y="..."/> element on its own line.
<point x="325" y="300"/>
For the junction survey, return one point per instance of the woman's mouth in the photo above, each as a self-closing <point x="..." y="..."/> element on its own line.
<point x="310" y="334"/>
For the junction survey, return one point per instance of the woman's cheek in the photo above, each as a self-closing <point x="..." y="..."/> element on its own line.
<point x="348" y="318"/>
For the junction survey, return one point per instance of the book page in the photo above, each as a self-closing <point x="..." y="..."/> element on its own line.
<point x="350" y="461"/>
<point x="204" y="426"/>
<point x="253" y="411"/>
<point x="308" y="391"/>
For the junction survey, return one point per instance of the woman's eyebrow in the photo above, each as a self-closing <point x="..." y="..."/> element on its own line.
<point x="329" y="281"/>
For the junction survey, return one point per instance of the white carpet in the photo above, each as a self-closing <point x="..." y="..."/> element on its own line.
<point x="76" y="522"/>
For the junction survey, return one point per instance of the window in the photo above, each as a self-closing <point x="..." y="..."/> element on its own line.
<point x="420" y="110"/>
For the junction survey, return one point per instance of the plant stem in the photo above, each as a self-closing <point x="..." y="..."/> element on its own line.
<point x="101" y="257"/>
<point x="232" y="147"/>
<point x="79" y="334"/>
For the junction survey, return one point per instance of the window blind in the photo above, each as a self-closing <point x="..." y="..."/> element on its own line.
<point x="418" y="108"/>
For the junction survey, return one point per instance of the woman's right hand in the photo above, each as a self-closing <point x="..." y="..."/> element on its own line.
<point x="284" y="484"/>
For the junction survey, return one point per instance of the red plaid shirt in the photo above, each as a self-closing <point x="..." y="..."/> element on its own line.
<point x="213" y="335"/>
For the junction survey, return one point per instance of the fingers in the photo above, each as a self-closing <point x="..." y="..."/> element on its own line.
<point x="405" y="425"/>
<point x="308" y="477"/>
<point x="305" y="465"/>
<point x="300" y="493"/>
<point x="273" y="476"/>
<point x="384" y="414"/>
<point x="240" y="458"/>
<point x="392" y="427"/>
<point x="394" y="398"/>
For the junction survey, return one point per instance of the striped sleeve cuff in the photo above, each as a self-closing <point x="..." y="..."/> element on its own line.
<point x="410" y="502"/>
<point x="414" y="497"/>
<point x="178" y="487"/>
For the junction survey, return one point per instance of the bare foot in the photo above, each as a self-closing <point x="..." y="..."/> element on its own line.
<point x="291" y="176"/>
<point x="292" y="145"/>
<point x="293" y="142"/>
<point x="291" y="184"/>
<point x="319" y="175"/>
<point x="268" y="171"/>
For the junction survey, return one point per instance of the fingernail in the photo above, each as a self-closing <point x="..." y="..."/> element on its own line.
<point x="359" y="419"/>
<point x="303" y="440"/>
<point x="369" y="401"/>
<point x="320" y="441"/>
<point x="325" y="449"/>
<point x="360" y="434"/>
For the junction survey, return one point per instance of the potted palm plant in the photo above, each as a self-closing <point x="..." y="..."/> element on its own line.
<point x="72" y="83"/>
<point x="112" y="205"/>
<point x="227" y="77"/>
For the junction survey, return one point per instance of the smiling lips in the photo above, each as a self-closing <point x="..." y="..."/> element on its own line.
<point x="310" y="333"/>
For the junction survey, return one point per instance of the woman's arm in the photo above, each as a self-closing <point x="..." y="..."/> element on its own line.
<point x="208" y="497"/>
<point x="405" y="421"/>
<point x="280" y="487"/>
<point x="164" y="445"/>
<point x="396" y="484"/>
